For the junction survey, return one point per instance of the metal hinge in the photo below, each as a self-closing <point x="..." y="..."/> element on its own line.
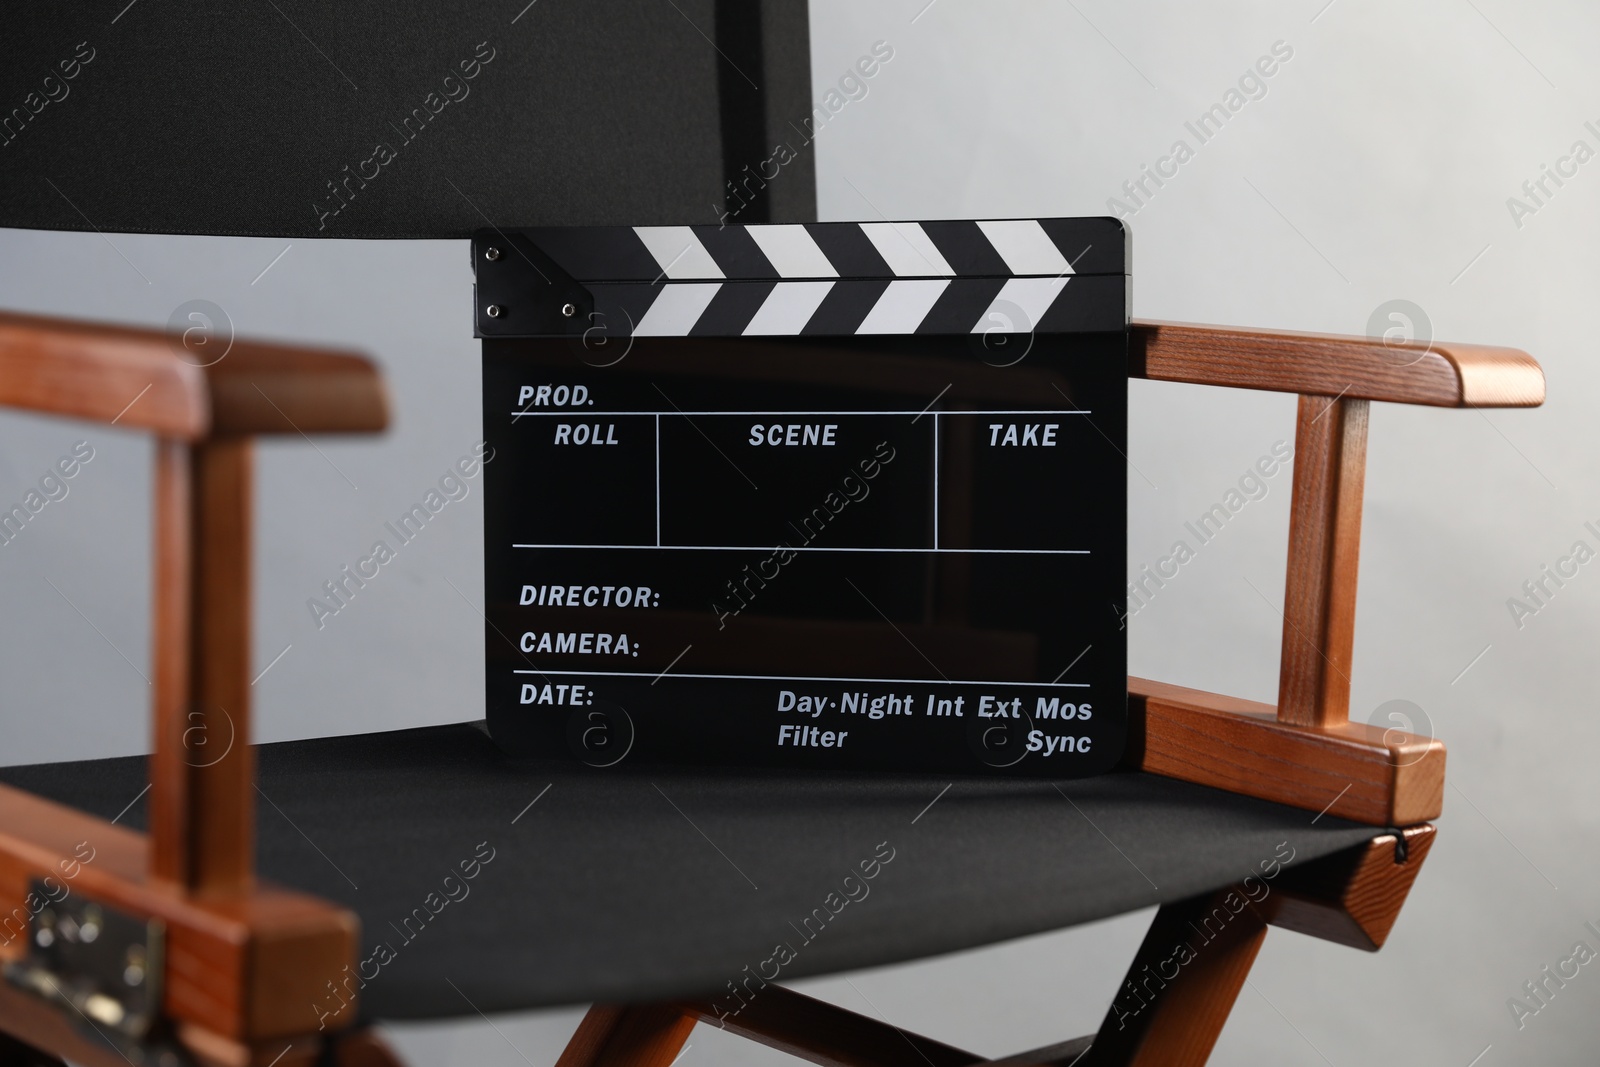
<point x="100" y="967"/>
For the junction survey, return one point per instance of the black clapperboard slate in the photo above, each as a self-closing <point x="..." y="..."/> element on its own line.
<point x="837" y="495"/>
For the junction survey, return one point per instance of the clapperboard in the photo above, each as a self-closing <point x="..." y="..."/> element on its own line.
<point x="838" y="495"/>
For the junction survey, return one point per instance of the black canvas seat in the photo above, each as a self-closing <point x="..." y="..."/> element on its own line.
<point x="628" y="884"/>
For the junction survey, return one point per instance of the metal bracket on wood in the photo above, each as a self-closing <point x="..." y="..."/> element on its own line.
<point x="101" y="969"/>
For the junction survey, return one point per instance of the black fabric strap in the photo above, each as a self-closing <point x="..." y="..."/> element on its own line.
<point x="740" y="73"/>
<point x="369" y="118"/>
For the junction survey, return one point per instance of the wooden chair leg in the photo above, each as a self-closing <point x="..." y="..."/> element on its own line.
<point x="1182" y="984"/>
<point x="1061" y="1054"/>
<point x="824" y="1033"/>
<point x="615" y="1035"/>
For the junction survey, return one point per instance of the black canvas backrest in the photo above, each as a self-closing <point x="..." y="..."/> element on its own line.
<point x="410" y="119"/>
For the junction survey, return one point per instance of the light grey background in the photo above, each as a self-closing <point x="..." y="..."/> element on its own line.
<point x="1377" y="166"/>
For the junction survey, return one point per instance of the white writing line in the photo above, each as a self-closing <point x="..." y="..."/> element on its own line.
<point x="935" y="479"/>
<point x="812" y="678"/>
<point x="813" y="548"/>
<point x="584" y="413"/>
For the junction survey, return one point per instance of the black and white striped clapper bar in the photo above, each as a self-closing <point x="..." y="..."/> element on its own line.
<point x="835" y="496"/>
<point x="841" y="278"/>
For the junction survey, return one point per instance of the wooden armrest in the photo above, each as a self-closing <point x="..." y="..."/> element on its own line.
<point x="133" y="377"/>
<point x="1349" y="770"/>
<point x="1359" y="368"/>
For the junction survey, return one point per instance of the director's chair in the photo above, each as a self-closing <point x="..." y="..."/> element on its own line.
<point x="594" y="886"/>
<point x="223" y="937"/>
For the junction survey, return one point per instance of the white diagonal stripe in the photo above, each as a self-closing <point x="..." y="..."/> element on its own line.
<point x="788" y="308"/>
<point x="1019" y="305"/>
<point x="907" y="249"/>
<point x="676" y="310"/>
<point x="678" y="252"/>
<point x="902" y="307"/>
<point x="1025" y="247"/>
<point x="792" y="252"/>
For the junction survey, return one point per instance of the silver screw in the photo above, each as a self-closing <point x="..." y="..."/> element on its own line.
<point x="493" y="311"/>
<point x="568" y="310"/>
<point x="491" y="254"/>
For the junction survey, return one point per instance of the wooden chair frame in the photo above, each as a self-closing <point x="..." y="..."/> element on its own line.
<point x="244" y="958"/>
